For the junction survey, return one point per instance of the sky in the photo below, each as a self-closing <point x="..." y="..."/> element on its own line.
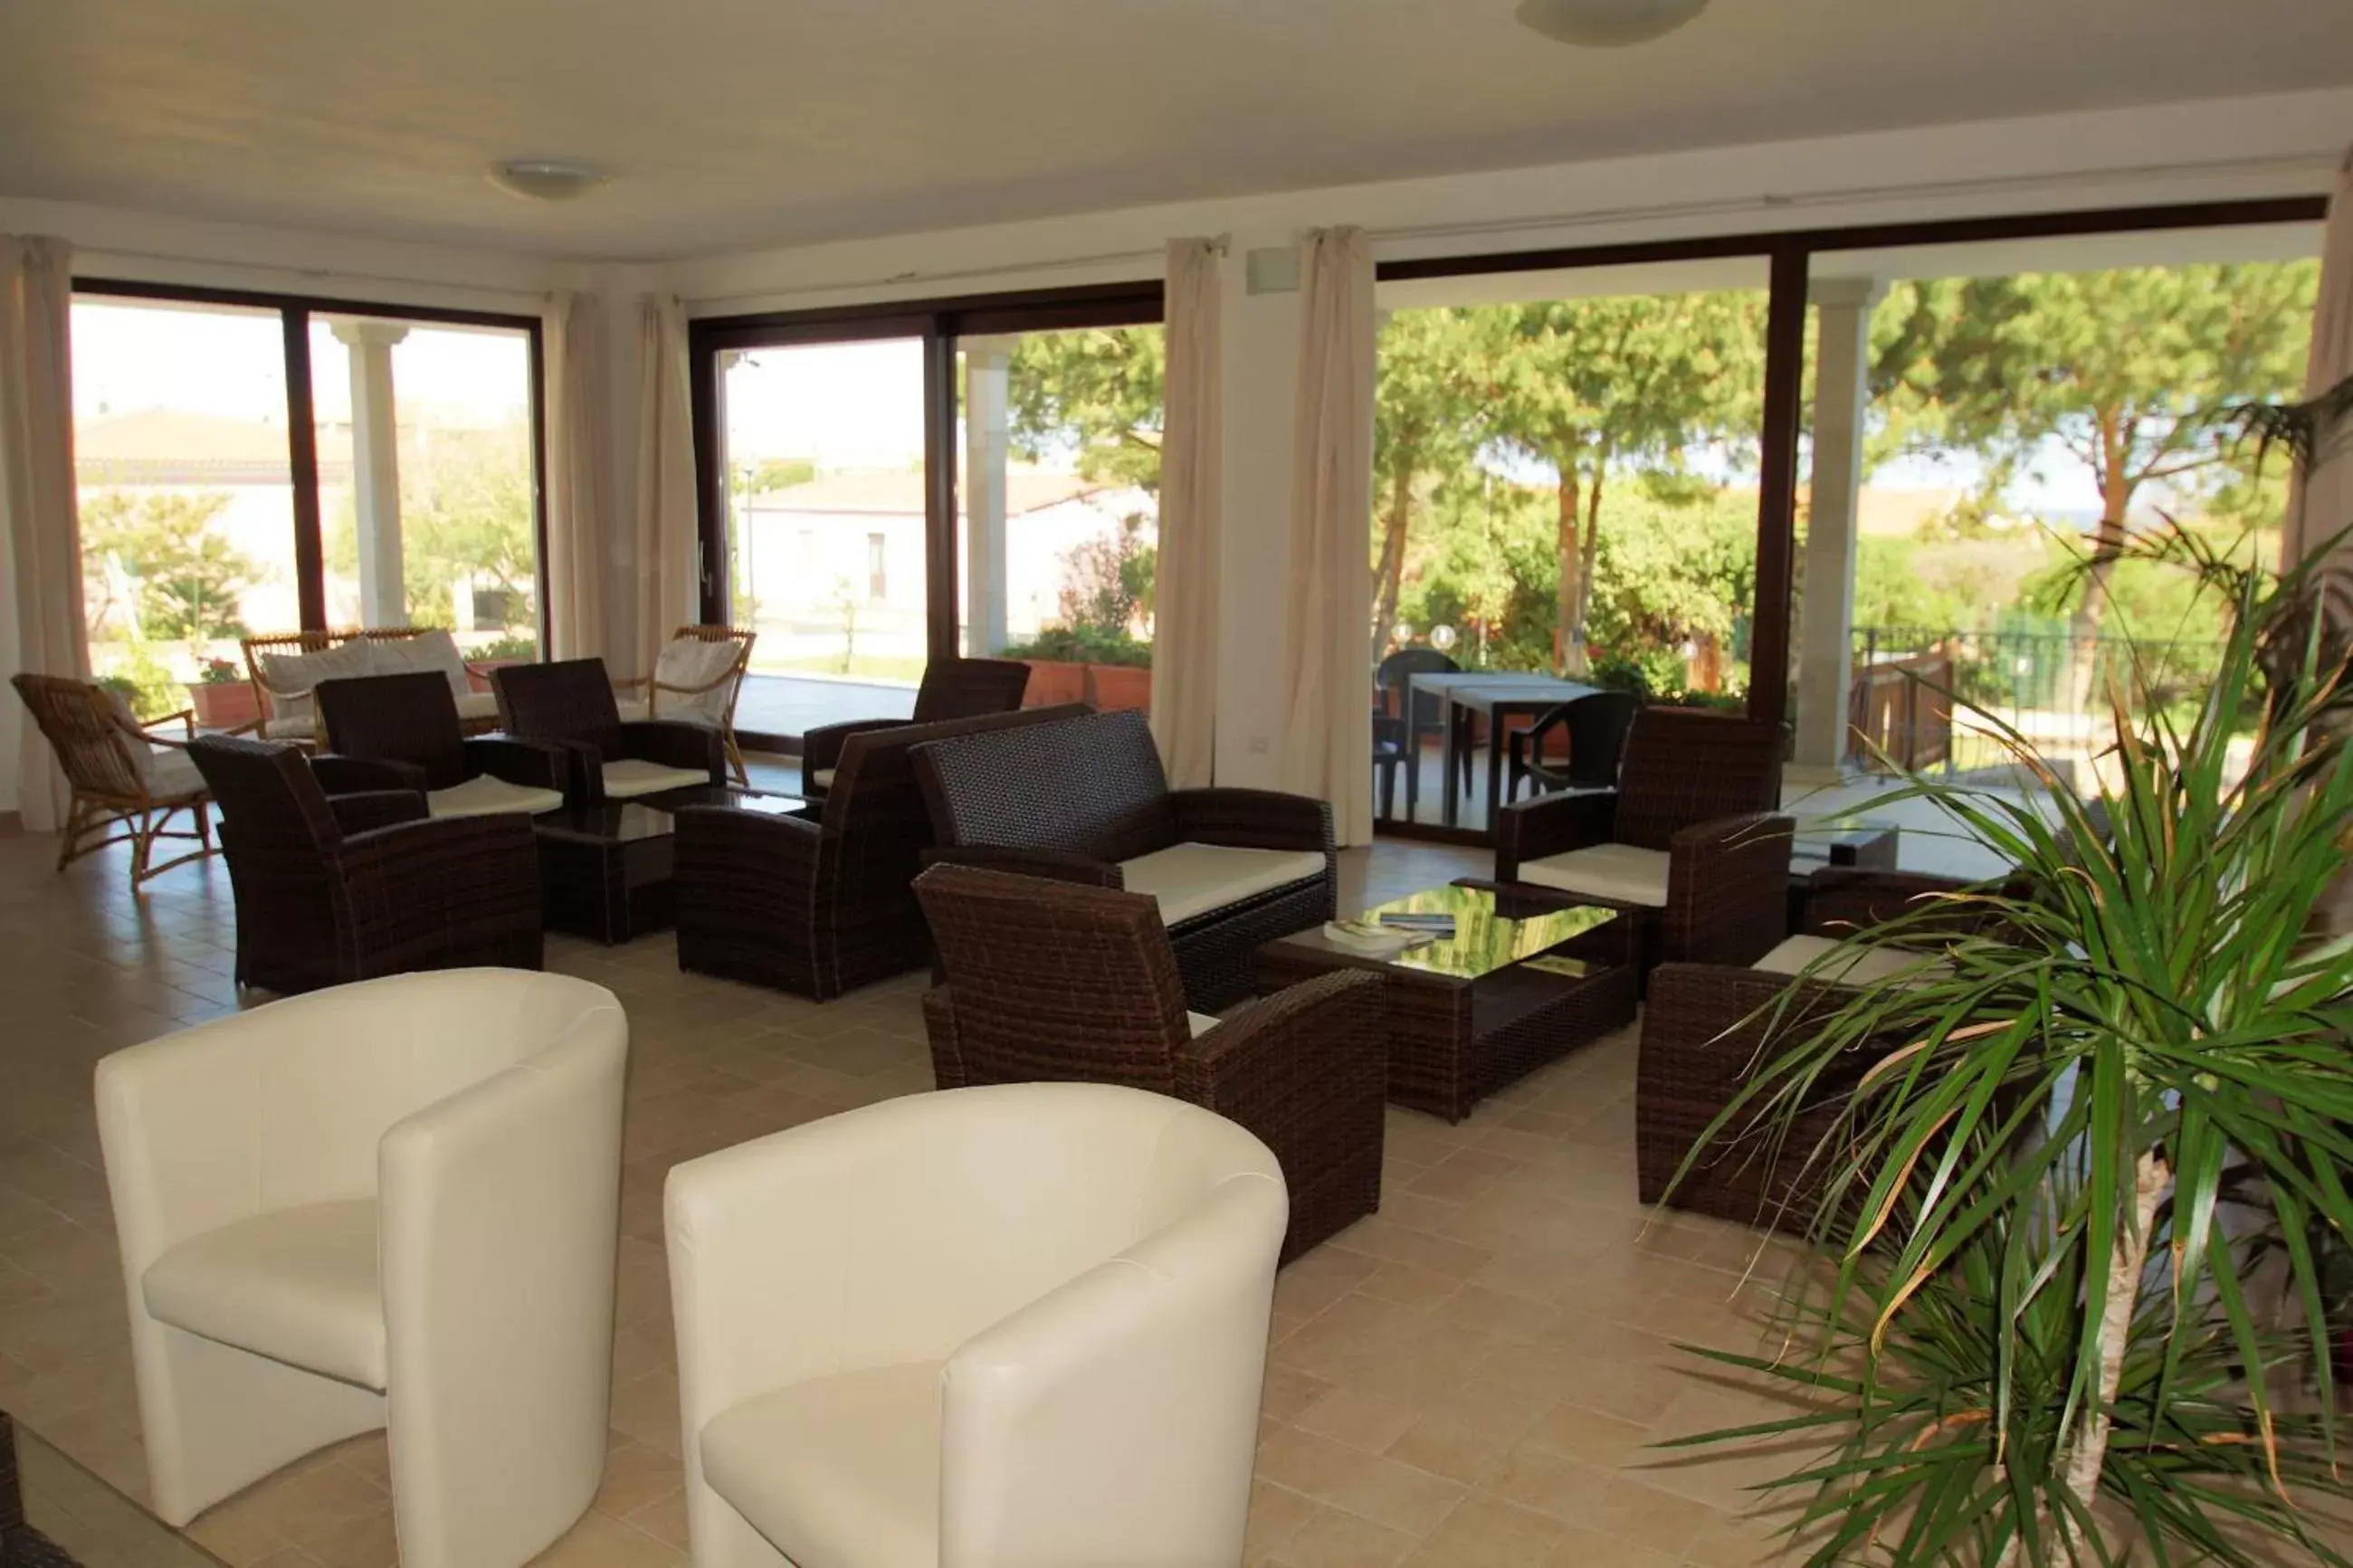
<point x="130" y="356"/>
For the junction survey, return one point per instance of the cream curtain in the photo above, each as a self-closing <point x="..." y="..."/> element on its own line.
<point x="580" y="511"/>
<point x="1186" y="584"/>
<point x="2320" y="506"/>
<point x="668" y="596"/>
<point x="1328" y="650"/>
<point x="36" y="494"/>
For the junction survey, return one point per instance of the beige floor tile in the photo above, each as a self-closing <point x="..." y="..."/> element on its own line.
<point x="1359" y="1420"/>
<point x="1333" y="1539"/>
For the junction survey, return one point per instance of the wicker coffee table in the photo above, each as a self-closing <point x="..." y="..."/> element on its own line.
<point x="604" y="871"/>
<point x="1469" y="1014"/>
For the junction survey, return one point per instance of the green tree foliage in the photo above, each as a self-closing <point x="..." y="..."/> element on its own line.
<point x="1596" y="390"/>
<point x="465" y="518"/>
<point x="1097" y="392"/>
<point x="184" y="577"/>
<point x="2127" y="371"/>
<point x="1424" y="431"/>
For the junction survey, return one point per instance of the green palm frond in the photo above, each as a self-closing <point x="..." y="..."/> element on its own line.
<point x="2105" y="1073"/>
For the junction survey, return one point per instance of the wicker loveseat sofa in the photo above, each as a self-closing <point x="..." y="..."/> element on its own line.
<point x="1086" y="800"/>
<point x="818" y="902"/>
<point x="287" y="667"/>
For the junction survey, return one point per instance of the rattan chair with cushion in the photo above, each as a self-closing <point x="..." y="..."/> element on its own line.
<point x="818" y="903"/>
<point x="697" y="679"/>
<point x="1708" y="1028"/>
<point x="1595" y="728"/>
<point x="287" y="668"/>
<point x="570" y="702"/>
<point x="1086" y="800"/>
<point x="118" y="776"/>
<point x="1048" y="981"/>
<point x="404" y="729"/>
<point x="1688" y="838"/>
<point x="951" y="688"/>
<point x="332" y="889"/>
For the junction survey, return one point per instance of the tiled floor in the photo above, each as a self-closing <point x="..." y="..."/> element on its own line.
<point x="1470" y="1378"/>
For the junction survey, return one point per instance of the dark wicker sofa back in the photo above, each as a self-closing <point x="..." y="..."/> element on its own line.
<point x="1091" y="785"/>
<point x="1054" y="980"/>
<point x="409" y="719"/>
<point x="875" y="816"/>
<point x="969" y="687"/>
<point x="565" y="700"/>
<point x="1681" y="768"/>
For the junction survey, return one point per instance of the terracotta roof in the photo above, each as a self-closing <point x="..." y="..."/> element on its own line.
<point x="174" y="436"/>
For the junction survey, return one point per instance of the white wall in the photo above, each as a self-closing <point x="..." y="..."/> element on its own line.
<point x="2218" y="149"/>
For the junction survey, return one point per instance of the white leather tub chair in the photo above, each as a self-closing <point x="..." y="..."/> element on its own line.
<point x="1021" y="1326"/>
<point x="393" y="1204"/>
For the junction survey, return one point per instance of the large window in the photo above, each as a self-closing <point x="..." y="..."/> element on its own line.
<point x="947" y="479"/>
<point x="2001" y="434"/>
<point x="253" y="466"/>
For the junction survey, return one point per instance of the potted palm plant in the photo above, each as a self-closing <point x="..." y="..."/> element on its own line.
<point x="2066" y="1301"/>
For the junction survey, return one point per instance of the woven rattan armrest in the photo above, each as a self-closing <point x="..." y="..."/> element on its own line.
<point x="676" y="744"/>
<point x="821" y="746"/>
<point x="1055" y="865"/>
<point x="1332" y="1021"/>
<point x="534" y="765"/>
<point x="340" y="775"/>
<point x="369" y="811"/>
<point x="1252" y="819"/>
<point x="1728" y="889"/>
<point x="1552" y="824"/>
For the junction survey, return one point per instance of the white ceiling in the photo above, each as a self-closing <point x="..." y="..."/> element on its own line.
<point x="733" y="123"/>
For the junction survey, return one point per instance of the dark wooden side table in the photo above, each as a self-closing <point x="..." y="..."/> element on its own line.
<point x="604" y="871"/>
<point x="1472" y="1014"/>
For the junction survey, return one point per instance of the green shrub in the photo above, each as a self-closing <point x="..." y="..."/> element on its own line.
<point x="1084" y="645"/>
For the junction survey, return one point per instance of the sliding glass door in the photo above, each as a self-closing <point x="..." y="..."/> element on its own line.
<point x="882" y="490"/>
<point x="250" y="465"/>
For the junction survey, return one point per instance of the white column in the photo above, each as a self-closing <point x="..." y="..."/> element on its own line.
<point x="1842" y="394"/>
<point x="375" y="469"/>
<point x="985" y="451"/>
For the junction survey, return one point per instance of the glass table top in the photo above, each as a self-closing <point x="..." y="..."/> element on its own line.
<point x="1484" y="940"/>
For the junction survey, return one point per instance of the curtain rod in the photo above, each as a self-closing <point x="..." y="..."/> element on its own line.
<point x="100" y="256"/>
<point x="2319" y="164"/>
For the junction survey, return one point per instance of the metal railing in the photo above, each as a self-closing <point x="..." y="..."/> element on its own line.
<point x="2050" y="686"/>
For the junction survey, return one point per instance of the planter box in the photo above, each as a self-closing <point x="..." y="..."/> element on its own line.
<point x="224" y="705"/>
<point x="1114" y="687"/>
<point x="1052" y="681"/>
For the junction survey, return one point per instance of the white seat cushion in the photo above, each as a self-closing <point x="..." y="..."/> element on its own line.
<point x="1200" y="1024"/>
<point x="170" y="772"/>
<point x="633" y="710"/>
<point x="486" y="796"/>
<point x="1853" y="962"/>
<point x="821" y="779"/>
<point x="630" y="777"/>
<point x="1191" y="879"/>
<point x="1616" y="873"/>
<point x="296" y="727"/>
<point x="291" y="676"/>
<point x="841" y="1470"/>
<point x="477" y="705"/>
<point x="691" y="663"/>
<point x="297" y="1285"/>
<point x="433" y="651"/>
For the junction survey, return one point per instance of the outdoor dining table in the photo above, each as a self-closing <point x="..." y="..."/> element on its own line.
<point x="1498" y="697"/>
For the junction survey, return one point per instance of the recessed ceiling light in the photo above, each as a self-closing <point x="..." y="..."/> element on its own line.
<point x="1607" y="24"/>
<point x="545" y="179"/>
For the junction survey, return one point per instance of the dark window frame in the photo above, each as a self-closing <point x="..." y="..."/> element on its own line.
<point x="294" y="313"/>
<point x="938" y="324"/>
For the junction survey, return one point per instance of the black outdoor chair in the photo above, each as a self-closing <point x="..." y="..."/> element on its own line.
<point x="1596" y="728"/>
<point x="1417" y="713"/>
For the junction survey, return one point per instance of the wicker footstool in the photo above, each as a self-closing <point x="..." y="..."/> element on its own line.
<point x="1470" y="1014"/>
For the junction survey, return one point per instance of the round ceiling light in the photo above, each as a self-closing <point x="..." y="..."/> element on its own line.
<point x="1607" y="24"/>
<point x="545" y="179"/>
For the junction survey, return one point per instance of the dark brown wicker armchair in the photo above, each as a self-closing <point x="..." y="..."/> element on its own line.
<point x="1051" y="980"/>
<point x="819" y="903"/>
<point x="570" y="702"/>
<point x="331" y="890"/>
<point x="951" y="688"/>
<point x="1086" y="800"/>
<point x="1688" y="838"/>
<point x="117" y="777"/>
<point x="402" y="732"/>
<point x="1707" y="1028"/>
